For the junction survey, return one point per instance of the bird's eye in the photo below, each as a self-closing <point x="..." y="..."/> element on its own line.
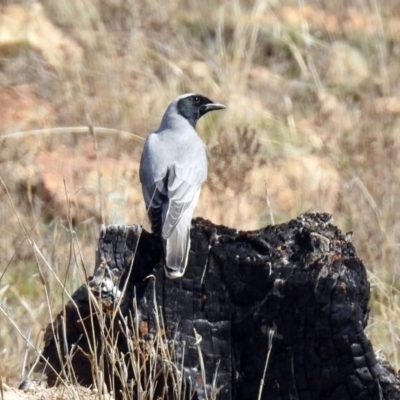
<point x="196" y="99"/>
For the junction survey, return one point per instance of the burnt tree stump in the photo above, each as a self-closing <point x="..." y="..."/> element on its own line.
<point x="278" y="313"/>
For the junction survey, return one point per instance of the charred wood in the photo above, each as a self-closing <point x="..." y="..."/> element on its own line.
<point x="278" y="313"/>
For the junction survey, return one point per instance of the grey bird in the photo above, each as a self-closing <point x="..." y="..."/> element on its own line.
<point x="172" y="169"/>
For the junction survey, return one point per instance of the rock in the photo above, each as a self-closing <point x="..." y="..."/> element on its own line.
<point x="21" y="26"/>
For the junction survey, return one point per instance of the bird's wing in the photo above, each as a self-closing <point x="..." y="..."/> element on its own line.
<point x="153" y="180"/>
<point x="183" y="187"/>
<point x="155" y="196"/>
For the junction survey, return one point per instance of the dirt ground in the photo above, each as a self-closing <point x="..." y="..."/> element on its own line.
<point x="55" y="393"/>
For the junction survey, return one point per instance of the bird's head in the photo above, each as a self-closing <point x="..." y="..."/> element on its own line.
<point x="193" y="106"/>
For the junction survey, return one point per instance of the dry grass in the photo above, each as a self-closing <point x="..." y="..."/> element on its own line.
<point x="314" y="85"/>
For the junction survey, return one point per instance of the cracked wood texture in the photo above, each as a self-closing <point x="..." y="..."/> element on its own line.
<point x="278" y="313"/>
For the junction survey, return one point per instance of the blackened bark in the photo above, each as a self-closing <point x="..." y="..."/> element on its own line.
<point x="280" y="311"/>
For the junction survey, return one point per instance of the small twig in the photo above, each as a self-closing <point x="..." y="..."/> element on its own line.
<point x="271" y="214"/>
<point x="71" y="129"/>
<point x="271" y="334"/>
<point x="202" y="367"/>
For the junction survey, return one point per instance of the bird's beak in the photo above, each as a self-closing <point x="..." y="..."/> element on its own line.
<point x="212" y="106"/>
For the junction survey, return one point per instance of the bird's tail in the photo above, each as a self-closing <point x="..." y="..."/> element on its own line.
<point x="176" y="249"/>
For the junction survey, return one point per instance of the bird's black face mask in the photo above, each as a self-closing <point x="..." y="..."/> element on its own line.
<point x="195" y="106"/>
